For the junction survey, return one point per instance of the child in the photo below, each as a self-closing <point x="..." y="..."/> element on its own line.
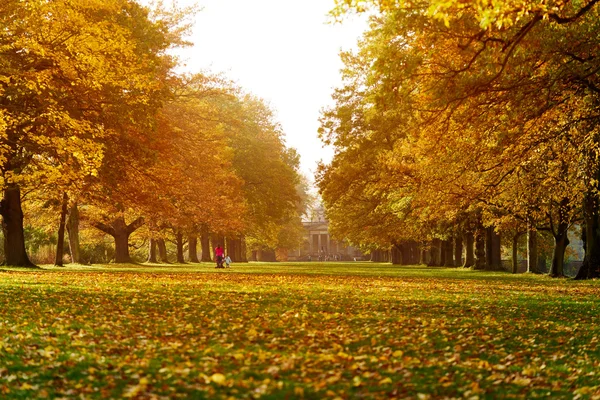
<point x="227" y="261"/>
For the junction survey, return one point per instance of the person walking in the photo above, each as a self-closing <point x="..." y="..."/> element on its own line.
<point x="219" y="256"/>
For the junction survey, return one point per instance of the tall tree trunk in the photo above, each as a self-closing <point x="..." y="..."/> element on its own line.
<point x="243" y="250"/>
<point x="435" y="253"/>
<point x="73" y="230"/>
<point x="449" y="256"/>
<point x="443" y="245"/>
<point x="532" y="251"/>
<point x="416" y="253"/>
<point x="193" y="249"/>
<point x="469" y="250"/>
<point x="205" y="244"/>
<point x="515" y="253"/>
<point x="162" y="250"/>
<point x="396" y="254"/>
<point x="458" y="250"/>
<point x="561" y="241"/>
<point x="179" y="241"/>
<point x="231" y="248"/>
<point x="489" y="245"/>
<point x="480" y="258"/>
<point x="590" y="268"/>
<point x="496" y="251"/>
<point x="60" y="245"/>
<point x="152" y="251"/>
<point x="12" y="227"/>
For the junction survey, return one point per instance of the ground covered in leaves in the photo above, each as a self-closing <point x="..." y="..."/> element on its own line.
<point x="286" y="331"/>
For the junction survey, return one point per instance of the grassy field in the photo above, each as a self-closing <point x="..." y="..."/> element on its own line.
<point x="295" y="330"/>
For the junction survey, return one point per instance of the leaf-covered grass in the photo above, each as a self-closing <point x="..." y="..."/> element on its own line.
<point x="292" y="330"/>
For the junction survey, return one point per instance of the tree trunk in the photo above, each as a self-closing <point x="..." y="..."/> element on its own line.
<point x="377" y="255"/>
<point x="205" y="244"/>
<point x="179" y="241"/>
<point x="266" y="255"/>
<point x="532" y="251"/>
<point x="449" y="256"/>
<point x="443" y="245"/>
<point x="435" y="253"/>
<point x="122" y="248"/>
<point x="458" y="250"/>
<point x="423" y="254"/>
<point x="232" y="249"/>
<point x="396" y="254"/>
<point x="162" y="250"/>
<point x="469" y="250"/>
<point x="489" y="259"/>
<point x="121" y="241"/>
<point x="515" y="253"/>
<point x="561" y="241"/>
<point x="480" y="258"/>
<point x="73" y="230"/>
<point x="416" y="253"/>
<point x="60" y="245"/>
<point x="12" y="227"/>
<point x="590" y="268"/>
<point x="120" y="231"/>
<point x="193" y="249"/>
<point x="152" y="251"/>
<point x="496" y="251"/>
<point x="243" y="250"/>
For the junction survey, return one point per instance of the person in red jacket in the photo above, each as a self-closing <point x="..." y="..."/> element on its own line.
<point x="219" y="256"/>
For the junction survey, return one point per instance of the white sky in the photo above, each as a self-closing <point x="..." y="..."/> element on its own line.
<point x="282" y="51"/>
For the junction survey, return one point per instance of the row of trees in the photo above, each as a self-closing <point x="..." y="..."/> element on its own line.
<point x="462" y="120"/>
<point x="98" y="129"/>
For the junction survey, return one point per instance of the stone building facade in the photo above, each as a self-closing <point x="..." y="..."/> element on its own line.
<point x="318" y="244"/>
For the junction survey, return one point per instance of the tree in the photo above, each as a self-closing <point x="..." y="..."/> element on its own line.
<point x="63" y="101"/>
<point x="472" y="96"/>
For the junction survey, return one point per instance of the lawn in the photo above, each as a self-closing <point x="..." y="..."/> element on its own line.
<point x="293" y="330"/>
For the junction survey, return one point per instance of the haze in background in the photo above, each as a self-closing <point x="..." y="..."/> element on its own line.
<point x="282" y="51"/>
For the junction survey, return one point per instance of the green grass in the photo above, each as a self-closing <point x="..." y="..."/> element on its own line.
<point x="292" y="330"/>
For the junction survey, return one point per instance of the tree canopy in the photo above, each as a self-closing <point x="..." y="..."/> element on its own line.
<point x="466" y="112"/>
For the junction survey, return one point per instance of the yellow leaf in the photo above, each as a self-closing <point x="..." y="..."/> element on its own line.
<point x="522" y="381"/>
<point x="385" y="381"/>
<point x="217" y="378"/>
<point x="398" y="353"/>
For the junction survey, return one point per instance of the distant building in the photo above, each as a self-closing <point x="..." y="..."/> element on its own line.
<point x="318" y="245"/>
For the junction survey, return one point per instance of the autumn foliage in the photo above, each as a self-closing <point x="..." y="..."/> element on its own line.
<point x="462" y="121"/>
<point x="99" y="130"/>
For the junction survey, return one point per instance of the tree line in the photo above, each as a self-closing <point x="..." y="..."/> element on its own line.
<point x="458" y="122"/>
<point x="99" y="130"/>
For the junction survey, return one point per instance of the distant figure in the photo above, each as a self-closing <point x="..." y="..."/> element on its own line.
<point x="227" y="261"/>
<point x="309" y="258"/>
<point x="219" y="256"/>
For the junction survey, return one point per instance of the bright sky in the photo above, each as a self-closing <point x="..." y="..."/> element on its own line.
<point x="283" y="51"/>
